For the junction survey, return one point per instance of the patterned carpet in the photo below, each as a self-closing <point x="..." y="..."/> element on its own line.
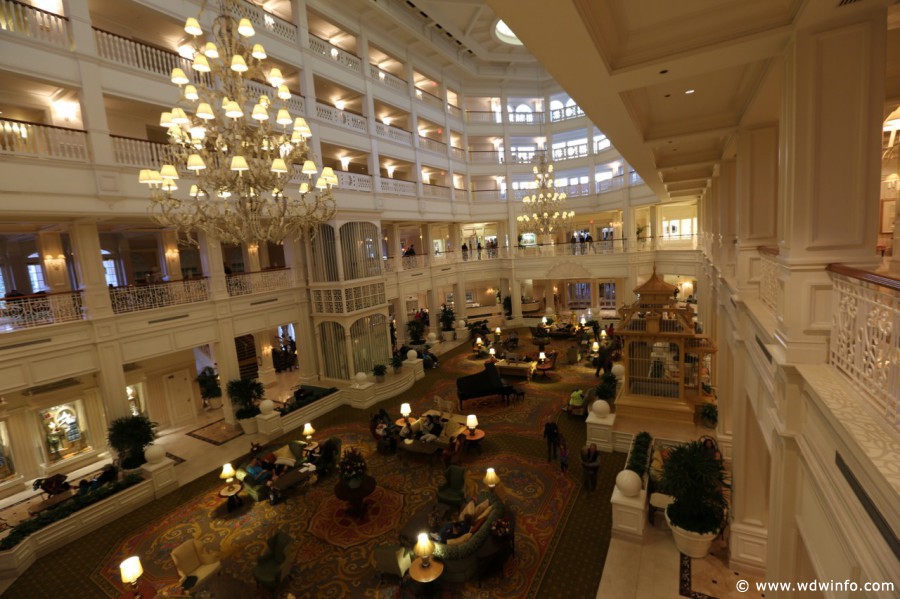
<point x="562" y="538"/>
<point x="217" y="433"/>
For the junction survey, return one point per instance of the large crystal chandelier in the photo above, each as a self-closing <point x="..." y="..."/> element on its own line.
<point x="250" y="180"/>
<point x="545" y="209"/>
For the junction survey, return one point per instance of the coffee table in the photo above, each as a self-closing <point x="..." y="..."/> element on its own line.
<point x="230" y="492"/>
<point x="474" y="439"/>
<point x="419" y="573"/>
<point x="288" y="480"/>
<point x="355" y="496"/>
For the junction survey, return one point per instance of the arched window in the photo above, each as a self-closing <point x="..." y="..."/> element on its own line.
<point x="334" y="350"/>
<point x="109" y="268"/>
<point x="36" y="273"/>
<point x="523" y="114"/>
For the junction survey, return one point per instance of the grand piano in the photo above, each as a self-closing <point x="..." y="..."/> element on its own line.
<point x="483" y="384"/>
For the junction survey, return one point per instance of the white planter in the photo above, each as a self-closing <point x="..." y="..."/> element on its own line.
<point x="214" y="403"/>
<point x="690" y="543"/>
<point x="248" y="425"/>
<point x="448" y="335"/>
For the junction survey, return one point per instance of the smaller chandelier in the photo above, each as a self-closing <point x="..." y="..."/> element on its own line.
<point x="545" y="209"/>
<point x="250" y="175"/>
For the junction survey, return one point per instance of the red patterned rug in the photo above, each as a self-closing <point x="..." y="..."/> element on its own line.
<point x="335" y="523"/>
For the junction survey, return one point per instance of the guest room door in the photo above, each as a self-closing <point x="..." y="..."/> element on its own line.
<point x="180" y="398"/>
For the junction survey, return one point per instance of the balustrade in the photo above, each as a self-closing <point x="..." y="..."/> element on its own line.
<point x="393" y="133"/>
<point x="140" y="55"/>
<point x="397" y="186"/>
<point x="768" y="277"/>
<point x="263" y="281"/>
<point x="140" y="152"/>
<point x="28" y="21"/>
<point x="296" y="105"/>
<point x="564" y="114"/>
<point x="26" y="311"/>
<point x="436" y="191"/>
<point x="432" y="144"/>
<point x="485" y="156"/>
<point x="342" y="57"/>
<point x="21" y="138"/>
<point x="388" y="80"/>
<point x="477" y="117"/>
<point x="429" y="99"/>
<point x="525" y="118"/>
<point x="457" y="153"/>
<point x="865" y="336"/>
<point x="570" y="152"/>
<point x="158" y="295"/>
<point x="354" y="181"/>
<point x="267" y="21"/>
<point x="455" y="112"/>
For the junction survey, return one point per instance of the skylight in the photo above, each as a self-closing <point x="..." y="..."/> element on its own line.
<point x="506" y="35"/>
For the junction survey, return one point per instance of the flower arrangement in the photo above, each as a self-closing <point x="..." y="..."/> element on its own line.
<point x="352" y="464"/>
<point x="500" y="528"/>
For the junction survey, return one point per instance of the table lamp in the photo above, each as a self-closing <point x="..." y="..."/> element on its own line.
<point x="491" y="479"/>
<point x="602" y="333"/>
<point x="131" y="570"/>
<point x="472" y="423"/>
<point x="228" y="473"/>
<point x="308" y="431"/>
<point x="497" y="330"/>
<point x="424" y="548"/>
<point x="583" y="321"/>
<point x="405" y="411"/>
<point x="478" y="341"/>
<point x="542" y="356"/>
<point x="596" y="346"/>
<point x="544" y="320"/>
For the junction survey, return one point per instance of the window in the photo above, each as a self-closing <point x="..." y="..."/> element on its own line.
<point x="2" y="284"/>
<point x="64" y="430"/>
<point x="36" y="276"/>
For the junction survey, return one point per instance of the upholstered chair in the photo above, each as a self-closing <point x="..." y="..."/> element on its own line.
<point x="392" y="560"/>
<point x="192" y="560"/>
<point x="453" y="492"/>
<point x="274" y="566"/>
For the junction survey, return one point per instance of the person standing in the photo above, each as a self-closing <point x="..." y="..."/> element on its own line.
<point x="590" y="465"/>
<point x="551" y="434"/>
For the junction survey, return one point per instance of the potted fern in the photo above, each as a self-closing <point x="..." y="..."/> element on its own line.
<point x="210" y="390"/>
<point x="245" y="395"/>
<point x="397" y="363"/>
<point x="448" y="319"/>
<point x="129" y="436"/>
<point x="694" y="475"/>
<point x="415" y="330"/>
<point x="379" y="370"/>
<point x="709" y="415"/>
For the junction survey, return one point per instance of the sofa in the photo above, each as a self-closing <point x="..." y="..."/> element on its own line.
<point x="288" y="454"/>
<point x="461" y="560"/>
<point x="515" y="368"/>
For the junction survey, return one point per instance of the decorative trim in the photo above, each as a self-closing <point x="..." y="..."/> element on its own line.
<point x="871" y="509"/>
<point x="864" y="275"/>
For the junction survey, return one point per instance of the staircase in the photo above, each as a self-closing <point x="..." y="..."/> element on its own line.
<point x="246" y="354"/>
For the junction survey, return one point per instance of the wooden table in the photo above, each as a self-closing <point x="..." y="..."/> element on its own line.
<point x="474" y="439"/>
<point x="355" y="496"/>
<point x="287" y="480"/>
<point x="425" y="575"/>
<point x="230" y="492"/>
<point x="145" y="590"/>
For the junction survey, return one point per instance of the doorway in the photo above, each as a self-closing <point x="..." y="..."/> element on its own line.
<point x="180" y="397"/>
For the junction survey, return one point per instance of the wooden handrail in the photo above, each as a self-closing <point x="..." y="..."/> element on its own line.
<point x="138" y="285"/>
<point x="38" y="295"/>
<point x="430" y="94"/>
<point x="41" y="124"/>
<point x="386" y="72"/>
<point x="254" y="272"/>
<point x="159" y="143"/>
<point x="436" y="185"/>
<point x="885" y="281"/>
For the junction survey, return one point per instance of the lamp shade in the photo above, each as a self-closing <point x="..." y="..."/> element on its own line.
<point x="178" y="77"/>
<point x="603" y="334"/>
<point x="227" y="473"/>
<point x="245" y="28"/>
<point x="329" y="176"/>
<point x="472" y="421"/>
<point x="258" y="52"/>
<point x="165" y="120"/>
<point x="260" y="113"/>
<point x="478" y="341"/>
<point x="201" y="65"/>
<point x="309" y="167"/>
<point x="278" y="166"/>
<point x="423" y="547"/>
<point x="283" y="117"/>
<point x="238" y="64"/>
<point x="210" y="50"/>
<point x="195" y="163"/>
<point x="131" y="569"/>
<point x="239" y="163"/>
<point x="583" y="321"/>
<point x="405" y="410"/>
<point x="542" y="356"/>
<point x="497" y="330"/>
<point x="204" y="111"/>
<point x="192" y="26"/>
<point x="275" y="77"/>
<point x="168" y="172"/>
<point x="190" y="92"/>
<point x="492" y="351"/>
<point x="179" y="117"/>
<point x="301" y="125"/>
<point x="308" y="430"/>
<point x="233" y="110"/>
<point x="543" y="320"/>
<point x="596" y="346"/>
<point x="283" y="92"/>
<point x="491" y="479"/>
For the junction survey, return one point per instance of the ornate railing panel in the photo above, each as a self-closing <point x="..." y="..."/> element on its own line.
<point x="354" y="181"/>
<point x="486" y="157"/>
<point x="393" y="133"/>
<point x="768" y="279"/>
<point x="320" y="46"/>
<point x="397" y="186"/>
<point x="364" y="296"/>
<point x="328" y="301"/>
<point x="476" y="117"/>
<point x="140" y="55"/>
<point x="140" y="152"/>
<point x="457" y="153"/>
<point x="570" y="152"/>
<point x="266" y="20"/>
<point x="41" y="309"/>
<point x="455" y="111"/>
<point x="21" y="138"/>
<point x="564" y="114"/>
<point x="429" y="99"/>
<point x="28" y="21"/>
<point x="259" y="282"/>
<point x="161" y="295"/>
<point x="388" y="80"/>
<point x="865" y="336"/>
<point x="432" y="144"/>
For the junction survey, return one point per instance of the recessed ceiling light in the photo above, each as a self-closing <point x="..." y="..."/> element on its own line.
<point x="664" y="71"/>
<point x="689" y="92"/>
<point x="667" y="96"/>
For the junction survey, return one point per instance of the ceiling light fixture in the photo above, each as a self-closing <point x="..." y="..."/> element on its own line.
<point x="688" y="92"/>
<point x="240" y="168"/>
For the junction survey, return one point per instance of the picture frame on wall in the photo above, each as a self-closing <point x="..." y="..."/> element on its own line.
<point x="888" y="214"/>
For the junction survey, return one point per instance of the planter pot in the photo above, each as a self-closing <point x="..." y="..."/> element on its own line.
<point x="397" y="369"/>
<point x="690" y="543"/>
<point x="448" y="335"/>
<point x="214" y="403"/>
<point x="708" y="423"/>
<point x="248" y="425"/>
<point x="354" y="482"/>
<point x="379" y="378"/>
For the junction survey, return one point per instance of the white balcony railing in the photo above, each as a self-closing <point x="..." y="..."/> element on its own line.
<point x="141" y="153"/>
<point x="485" y="157"/>
<point x="455" y="112"/>
<point x="768" y="277"/>
<point x="865" y="336"/>
<point x="479" y="117"/>
<point x="525" y="118"/>
<point x="259" y="282"/>
<point x="617" y="182"/>
<point x="393" y="133"/>
<point x="267" y="21"/>
<point x="457" y="153"/>
<point x="432" y="144"/>
<point x="429" y="99"/>
<point x="41" y="309"/>
<point x="147" y="297"/>
<point x="140" y="55"/>
<point x="396" y="186"/>
<point x="436" y="191"/>
<point x="25" y="20"/>
<point x="342" y="57"/>
<point x="21" y="138"/>
<point x="388" y="80"/>
<point x="296" y="105"/>
<point x="564" y="114"/>
<point x="343" y="118"/>
<point x="570" y="152"/>
<point x="354" y="181"/>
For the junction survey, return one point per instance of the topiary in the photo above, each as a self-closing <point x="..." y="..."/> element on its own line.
<point x="694" y="475"/>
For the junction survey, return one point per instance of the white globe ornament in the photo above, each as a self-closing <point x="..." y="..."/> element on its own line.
<point x="619" y="371"/>
<point x="154" y="454"/>
<point x="628" y="483"/>
<point x="600" y="408"/>
<point x="360" y="378"/>
<point x="432" y="338"/>
<point x="460" y="324"/>
<point x="412" y="355"/>
<point x="266" y="406"/>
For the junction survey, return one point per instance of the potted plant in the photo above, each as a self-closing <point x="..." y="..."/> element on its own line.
<point x="709" y="415"/>
<point x="210" y="390"/>
<point x="352" y="467"/>
<point x="694" y="476"/>
<point x="397" y="363"/>
<point x="245" y="395"/>
<point x="507" y="306"/>
<point x="607" y="388"/>
<point x="448" y="319"/>
<point x="415" y="329"/>
<point x="128" y="436"/>
<point x="379" y="370"/>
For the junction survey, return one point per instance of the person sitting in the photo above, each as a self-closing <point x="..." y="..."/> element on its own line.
<point x="426" y="356"/>
<point x="576" y="399"/>
<point x="258" y="472"/>
<point x="453" y="530"/>
<point x="108" y="474"/>
<point x="432" y="428"/>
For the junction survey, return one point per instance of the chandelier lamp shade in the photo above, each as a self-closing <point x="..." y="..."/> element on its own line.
<point x="251" y="175"/>
<point x="544" y="209"/>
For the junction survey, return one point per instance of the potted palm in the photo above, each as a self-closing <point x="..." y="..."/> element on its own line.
<point x="397" y="363"/>
<point x="379" y="370"/>
<point x="210" y="390"/>
<point x="415" y="329"/>
<point x="709" y="415"/>
<point x="694" y="476"/>
<point x="128" y="436"/>
<point x="448" y="319"/>
<point x="245" y="395"/>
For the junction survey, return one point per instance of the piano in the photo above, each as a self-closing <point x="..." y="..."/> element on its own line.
<point x="483" y="384"/>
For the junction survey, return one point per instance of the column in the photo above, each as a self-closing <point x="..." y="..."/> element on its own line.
<point x="830" y="164"/>
<point x="25" y="442"/>
<point x="264" y="343"/>
<point x="307" y="349"/>
<point x="459" y="299"/>
<point x="727" y="224"/>
<point x="171" y="256"/>
<point x="225" y="356"/>
<point x="213" y="267"/>
<point x="89" y="264"/>
<point x="516" y="294"/>
<point x="111" y="380"/>
<point x="56" y="275"/>
<point x="757" y="199"/>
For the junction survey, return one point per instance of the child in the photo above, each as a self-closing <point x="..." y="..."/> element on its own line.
<point x="563" y="455"/>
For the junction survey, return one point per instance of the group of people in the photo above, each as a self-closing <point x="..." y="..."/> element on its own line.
<point x="558" y="449"/>
<point x="490" y="245"/>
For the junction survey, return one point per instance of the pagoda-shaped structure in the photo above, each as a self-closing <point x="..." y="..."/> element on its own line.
<point x="666" y="360"/>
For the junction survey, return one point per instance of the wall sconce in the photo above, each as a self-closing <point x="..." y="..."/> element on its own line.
<point x="253" y="248"/>
<point x="267" y="350"/>
<point x="65" y="109"/>
<point x="269" y="21"/>
<point x="390" y="171"/>
<point x="334" y="53"/>
<point x="386" y="120"/>
<point x="345" y="162"/>
<point x="340" y="104"/>
<point x="56" y="264"/>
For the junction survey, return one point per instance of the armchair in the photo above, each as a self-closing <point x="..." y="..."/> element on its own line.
<point x="453" y="492"/>
<point x="392" y="560"/>
<point x="274" y="566"/>
<point x="192" y="560"/>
